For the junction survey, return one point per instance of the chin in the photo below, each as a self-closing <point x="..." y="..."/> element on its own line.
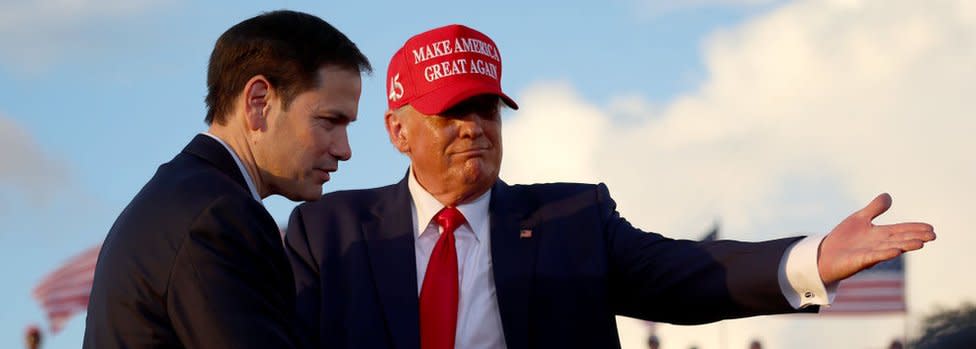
<point x="305" y="194"/>
<point x="478" y="171"/>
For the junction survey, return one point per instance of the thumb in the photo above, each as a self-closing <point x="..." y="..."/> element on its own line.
<point x="879" y="205"/>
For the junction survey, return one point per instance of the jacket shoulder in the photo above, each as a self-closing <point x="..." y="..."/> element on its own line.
<point x="179" y="191"/>
<point x="555" y="191"/>
<point x="343" y="202"/>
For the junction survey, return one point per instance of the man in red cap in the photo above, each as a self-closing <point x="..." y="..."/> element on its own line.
<point x="453" y="257"/>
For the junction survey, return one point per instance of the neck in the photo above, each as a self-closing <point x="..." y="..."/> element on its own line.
<point x="236" y="139"/>
<point x="451" y="195"/>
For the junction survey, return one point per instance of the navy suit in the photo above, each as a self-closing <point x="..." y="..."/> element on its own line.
<point x="194" y="261"/>
<point x="355" y="271"/>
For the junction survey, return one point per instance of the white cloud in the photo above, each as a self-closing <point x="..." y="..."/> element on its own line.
<point x="533" y="136"/>
<point x="807" y="112"/>
<point x="27" y="174"/>
<point x="38" y="33"/>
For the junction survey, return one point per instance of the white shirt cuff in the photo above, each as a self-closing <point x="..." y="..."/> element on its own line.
<point x="799" y="277"/>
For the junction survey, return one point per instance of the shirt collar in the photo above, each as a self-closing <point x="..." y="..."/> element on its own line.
<point x="240" y="166"/>
<point x="426" y="206"/>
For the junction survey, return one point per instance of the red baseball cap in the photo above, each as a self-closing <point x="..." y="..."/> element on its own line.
<point x="439" y="68"/>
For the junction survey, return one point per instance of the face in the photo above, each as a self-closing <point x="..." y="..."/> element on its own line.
<point x="455" y="155"/>
<point x="304" y="143"/>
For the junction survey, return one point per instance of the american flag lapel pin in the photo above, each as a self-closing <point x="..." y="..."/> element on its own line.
<point x="525" y="233"/>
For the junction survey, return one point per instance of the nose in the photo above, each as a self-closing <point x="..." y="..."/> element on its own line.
<point x="340" y="146"/>
<point x="471" y="126"/>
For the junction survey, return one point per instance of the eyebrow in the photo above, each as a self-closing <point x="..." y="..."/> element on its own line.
<point x="338" y="114"/>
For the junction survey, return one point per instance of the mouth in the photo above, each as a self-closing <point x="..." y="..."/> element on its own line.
<point x="323" y="173"/>
<point x="472" y="152"/>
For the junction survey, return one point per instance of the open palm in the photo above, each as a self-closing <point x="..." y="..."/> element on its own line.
<point x="857" y="243"/>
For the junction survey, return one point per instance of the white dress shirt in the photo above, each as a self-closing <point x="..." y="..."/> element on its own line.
<point x="479" y="323"/>
<point x="240" y="166"/>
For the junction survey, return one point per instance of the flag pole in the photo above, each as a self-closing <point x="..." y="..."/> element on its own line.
<point x="712" y="235"/>
<point x="905" y="291"/>
<point x="904" y="335"/>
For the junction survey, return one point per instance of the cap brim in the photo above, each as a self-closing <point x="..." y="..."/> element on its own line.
<point x="437" y="101"/>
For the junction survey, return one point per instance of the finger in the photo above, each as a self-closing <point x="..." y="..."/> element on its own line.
<point x="879" y="205"/>
<point x="912" y="226"/>
<point x="901" y="245"/>
<point x="915" y="235"/>
<point x="905" y="231"/>
<point x="911" y="245"/>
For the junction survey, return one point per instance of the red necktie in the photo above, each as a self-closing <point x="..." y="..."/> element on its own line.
<point x="439" y="294"/>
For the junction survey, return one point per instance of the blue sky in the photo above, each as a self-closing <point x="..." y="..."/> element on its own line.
<point x="744" y="110"/>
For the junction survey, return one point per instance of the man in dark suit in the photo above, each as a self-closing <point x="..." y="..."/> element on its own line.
<point x="195" y="260"/>
<point x="453" y="257"/>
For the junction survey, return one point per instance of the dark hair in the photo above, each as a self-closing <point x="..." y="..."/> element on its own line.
<point x="287" y="47"/>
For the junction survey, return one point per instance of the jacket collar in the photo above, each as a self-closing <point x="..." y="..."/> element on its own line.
<point x="390" y="245"/>
<point x="212" y="151"/>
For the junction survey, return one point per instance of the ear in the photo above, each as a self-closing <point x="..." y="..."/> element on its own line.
<point x="257" y="102"/>
<point x="396" y="130"/>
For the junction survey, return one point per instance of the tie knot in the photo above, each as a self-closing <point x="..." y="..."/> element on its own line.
<point x="449" y="218"/>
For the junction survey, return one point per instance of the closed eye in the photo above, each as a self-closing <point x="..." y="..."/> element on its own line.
<point x="335" y="119"/>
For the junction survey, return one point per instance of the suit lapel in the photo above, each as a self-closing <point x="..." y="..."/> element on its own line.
<point x="390" y="243"/>
<point x="513" y="262"/>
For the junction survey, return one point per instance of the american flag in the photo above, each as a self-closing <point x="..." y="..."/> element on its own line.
<point x="65" y="291"/>
<point x="880" y="289"/>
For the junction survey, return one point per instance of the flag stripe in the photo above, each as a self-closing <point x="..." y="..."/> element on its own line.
<point x="65" y="309"/>
<point x="869" y="298"/>
<point x="871" y="284"/>
<point x="79" y="271"/>
<point x="79" y="296"/>
<point x="866" y="307"/>
<point x="69" y="283"/>
<point x="865" y="292"/>
<point x="83" y="261"/>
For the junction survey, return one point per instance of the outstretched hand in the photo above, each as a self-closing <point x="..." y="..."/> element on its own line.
<point x="857" y="244"/>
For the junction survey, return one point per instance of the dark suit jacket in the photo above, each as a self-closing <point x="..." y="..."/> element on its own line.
<point x="193" y="261"/>
<point x="353" y="257"/>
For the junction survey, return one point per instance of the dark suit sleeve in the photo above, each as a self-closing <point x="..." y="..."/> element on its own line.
<point x="307" y="280"/>
<point x="230" y="286"/>
<point x="688" y="282"/>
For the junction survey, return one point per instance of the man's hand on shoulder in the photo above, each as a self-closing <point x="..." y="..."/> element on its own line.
<point x="857" y="243"/>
